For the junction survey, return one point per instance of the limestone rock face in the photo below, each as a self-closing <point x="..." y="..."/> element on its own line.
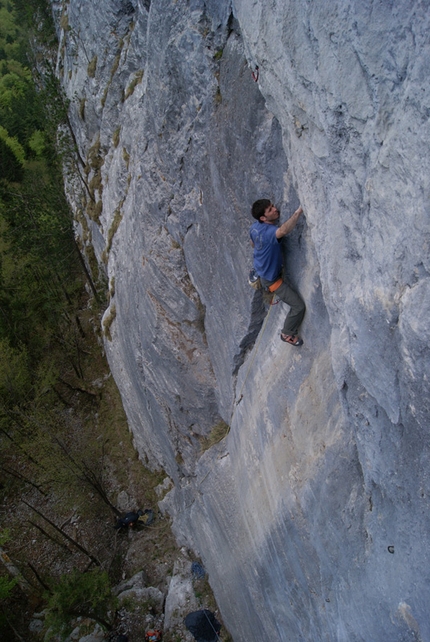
<point x="312" y="514"/>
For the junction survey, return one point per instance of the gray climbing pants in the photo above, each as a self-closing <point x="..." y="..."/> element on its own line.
<point x="297" y="306"/>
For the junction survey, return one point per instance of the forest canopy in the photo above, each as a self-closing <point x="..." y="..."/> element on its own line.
<point x="38" y="260"/>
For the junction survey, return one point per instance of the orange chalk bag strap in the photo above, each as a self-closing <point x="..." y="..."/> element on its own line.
<point x="275" y="285"/>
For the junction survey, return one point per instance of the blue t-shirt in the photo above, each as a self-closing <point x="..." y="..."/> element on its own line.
<point x="267" y="250"/>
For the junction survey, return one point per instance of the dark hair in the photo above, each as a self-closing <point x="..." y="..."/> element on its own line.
<point x="259" y="207"/>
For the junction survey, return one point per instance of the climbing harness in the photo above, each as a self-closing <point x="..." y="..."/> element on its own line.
<point x="275" y="285"/>
<point x="255" y="282"/>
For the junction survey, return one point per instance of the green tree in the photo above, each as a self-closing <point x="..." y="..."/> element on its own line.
<point x="80" y="594"/>
<point x="6" y="587"/>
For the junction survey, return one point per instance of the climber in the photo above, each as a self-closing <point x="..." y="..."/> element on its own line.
<point x="266" y="236"/>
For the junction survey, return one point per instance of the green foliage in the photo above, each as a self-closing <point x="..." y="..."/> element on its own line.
<point x="9" y="47"/>
<point x="112" y="231"/>
<point x="14" y="374"/>
<point x="37" y="142"/>
<point x="11" y="166"/>
<point x="38" y="267"/>
<point x="115" y="137"/>
<point x="79" y="594"/>
<point x="136" y="81"/>
<point x="14" y="146"/>
<point x="217" y="433"/>
<point x="21" y="111"/>
<point x="40" y="274"/>
<point x="6" y="587"/>
<point x="92" y="66"/>
<point x="4" y="536"/>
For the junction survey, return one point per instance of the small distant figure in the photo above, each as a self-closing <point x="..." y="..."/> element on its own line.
<point x="153" y="636"/>
<point x="129" y="520"/>
<point x="203" y="625"/>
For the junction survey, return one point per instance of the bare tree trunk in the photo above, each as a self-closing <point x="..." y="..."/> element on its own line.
<point x="49" y="536"/>
<point x="82" y="613"/>
<point x="77" y="388"/>
<point x="69" y="539"/>
<point x="21" y="477"/>
<point x="39" y="579"/>
<point x="86" y="474"/>
<point x="15" y="443"/>
<point x="80" y="328"/>
<point x="15" y="572"/>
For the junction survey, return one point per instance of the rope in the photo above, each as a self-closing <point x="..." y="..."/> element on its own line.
<point x="211" y="625"/>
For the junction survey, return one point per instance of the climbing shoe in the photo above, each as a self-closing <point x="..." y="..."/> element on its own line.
<point x="292" y="339"/>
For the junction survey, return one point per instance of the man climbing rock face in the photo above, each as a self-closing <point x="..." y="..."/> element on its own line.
<point x="266" y="236"/>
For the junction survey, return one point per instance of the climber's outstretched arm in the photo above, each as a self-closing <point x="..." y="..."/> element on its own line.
<point x="289" y="225"/>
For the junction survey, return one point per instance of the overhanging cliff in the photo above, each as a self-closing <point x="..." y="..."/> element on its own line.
<point x="326" y="464"/>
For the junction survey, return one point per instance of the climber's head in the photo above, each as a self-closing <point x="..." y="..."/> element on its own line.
<point x="259" y="207"/>
<point x="264" y="211"/>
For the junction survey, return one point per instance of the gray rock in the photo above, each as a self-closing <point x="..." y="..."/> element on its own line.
<point x="85" y="624"/>
<point x="36" y="626"/>
<point x="326" y="462"/>
<point x="135" y="589"/>
<point x="124" y="501"/>
<point x="137" y="581"/>
<point x="162" y="488"/>
<point x="180" y="598"/>
<point x="148" y="597"/>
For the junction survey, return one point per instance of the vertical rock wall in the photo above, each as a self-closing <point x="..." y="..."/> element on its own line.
<point x="326" y="464"/>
